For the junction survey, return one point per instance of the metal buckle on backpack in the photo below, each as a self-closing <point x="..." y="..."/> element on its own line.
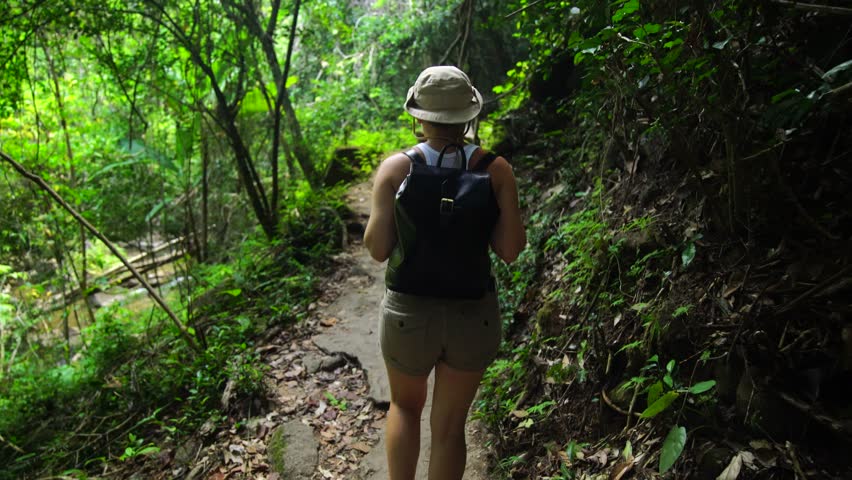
<point x="446" y="206"/>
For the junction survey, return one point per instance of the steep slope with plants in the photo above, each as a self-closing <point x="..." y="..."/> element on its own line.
<point x="683" y="306"/>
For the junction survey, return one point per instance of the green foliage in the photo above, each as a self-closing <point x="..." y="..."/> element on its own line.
<point x="340" y="404"/>
<point x="584" y="241"/>
<point x="98" y="257"/>
<point x="360" y="59"/>
<point x="138" y="364"/>
<point x="313" y="225"/>
<point x="502" y="387"/>
<point x="663" y="389"/>
<point x="681" y="310"/>
<point x="572" y="449"/>
<point x="137" y="447"/>
<point x="660" y="404"/>
<point x="378" y="144"/>
<point x="672" y="447"/>
<point x="688" y="254"/>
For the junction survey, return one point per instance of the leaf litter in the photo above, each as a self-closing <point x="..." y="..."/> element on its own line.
<point x="333" y="401"/>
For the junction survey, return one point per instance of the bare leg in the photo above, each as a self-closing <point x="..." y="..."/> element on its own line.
<point x="402" y="431"/>
<point x="454" y="392"/>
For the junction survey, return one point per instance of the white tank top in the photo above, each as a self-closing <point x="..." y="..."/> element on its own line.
<point x="451" y="159"/>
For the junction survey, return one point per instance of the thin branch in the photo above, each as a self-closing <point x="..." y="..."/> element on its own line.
<point x="791" y="195"/>
<point x="290" y="43"/>
<point x="843" y="89"/>
<point x="110" y="62"/>
<point x="273" y="17"/>
<point x="616" y="407"/>
<point x="450" y="49"/>
<point x="815" y="8"/>
<point x="14" y="447"/>
<point x="536" y="2"/>
<point x="813" y="291"/>
<point x="466" y="26"/>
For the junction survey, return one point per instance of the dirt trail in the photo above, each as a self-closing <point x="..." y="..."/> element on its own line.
<point x="329" y="394"/>
<point x="355" y="335"/>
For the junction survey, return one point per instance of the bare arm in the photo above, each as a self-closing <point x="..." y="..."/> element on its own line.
<point x="510" y="236"/>
<point x="380" y="235"/>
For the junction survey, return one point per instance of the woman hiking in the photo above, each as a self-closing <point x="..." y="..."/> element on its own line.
<point x="440" y="308"/>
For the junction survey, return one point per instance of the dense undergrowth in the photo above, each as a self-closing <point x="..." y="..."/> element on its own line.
<point x="136" y="387"/>
<point x="682" y="306"/>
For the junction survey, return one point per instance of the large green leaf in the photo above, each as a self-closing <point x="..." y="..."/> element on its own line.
<point x="155" y="210"/>
<point x="629" y="7"/>
<point x="655" y="391"/>
<point x="830" y="75"/>
<point x="661" y="404"/>
<point x="688" y="254"/>
<point x="254" y="101"/>
<point x="672" y="447"/>
<point x="702" y="387"/>
<point x="115" y="165"/>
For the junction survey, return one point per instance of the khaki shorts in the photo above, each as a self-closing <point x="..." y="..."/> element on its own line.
<point x="417" y="332"/>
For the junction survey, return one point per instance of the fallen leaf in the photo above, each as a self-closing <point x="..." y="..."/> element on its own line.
<point x="321" y="408"/>
<point x="520" y="413"/>
<point x="328" y="322"/>
<point x="361" y="447"/>
<point x="759" y="444"/>
<point x="620" y="469"/>
<point x="732" y="471"/>
<point x="731" y="290"/>
<point x="764" y="453"/>
<point x="231" y="458"/>
<point x="599" y="457"/>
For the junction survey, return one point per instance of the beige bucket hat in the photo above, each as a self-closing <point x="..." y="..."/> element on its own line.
<point x="443" y="95"/>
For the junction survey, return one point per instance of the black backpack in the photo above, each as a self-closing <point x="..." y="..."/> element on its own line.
<point x="444" y="221"/>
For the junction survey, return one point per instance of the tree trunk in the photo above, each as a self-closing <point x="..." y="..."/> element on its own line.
<point x="250" y="21"/>
<point x="205" y="193"/>
<point x="301" y="151"/>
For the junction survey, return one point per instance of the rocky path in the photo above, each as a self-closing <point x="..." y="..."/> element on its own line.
<point x="355" y="335"/>
<point x="329" y="392"/>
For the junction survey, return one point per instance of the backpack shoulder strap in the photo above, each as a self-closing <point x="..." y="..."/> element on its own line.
<point x="415" y="156"/>
<point x="484" y="162"/>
